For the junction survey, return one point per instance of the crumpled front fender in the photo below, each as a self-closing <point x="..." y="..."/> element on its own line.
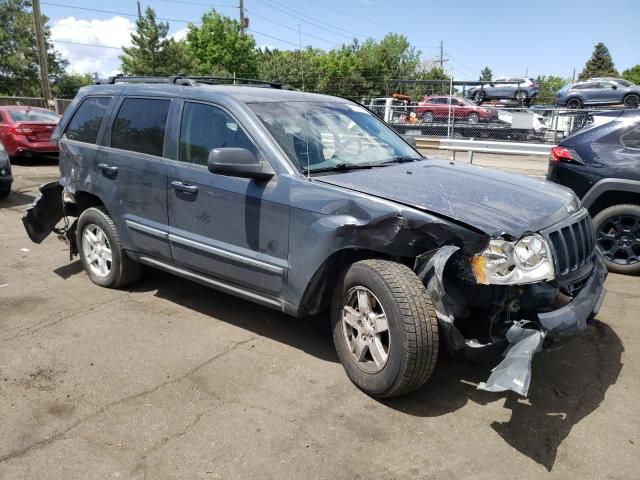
<point x="44" y="213"/>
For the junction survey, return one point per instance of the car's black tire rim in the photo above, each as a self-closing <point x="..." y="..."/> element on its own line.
<point x="619" y="239"/>
<point x="478" y="97"/>
<point x="631" y="101"/>
<point x="521" y="95"/>
<point x="573" y="103"/>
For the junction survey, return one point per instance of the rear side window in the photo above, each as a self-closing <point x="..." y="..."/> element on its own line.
<point x="140" y="125"/>
<point x="631" y="139"/>
<point x="86" y="121"/>
<point x="205" y="127"/>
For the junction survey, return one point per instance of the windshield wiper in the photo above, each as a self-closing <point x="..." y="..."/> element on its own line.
<point x="339" y="167"/>
<point x="403" y="159"/>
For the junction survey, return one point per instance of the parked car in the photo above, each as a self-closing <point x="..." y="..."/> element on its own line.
<point x="601" y="164"/>
<point x="304" y="202"/>
<point x="436" y="108"/>
<point x="598" y="92"/>
<point x="520" y="88"/>
<point x="5" y="173"/>
<point x="26" y="131"/>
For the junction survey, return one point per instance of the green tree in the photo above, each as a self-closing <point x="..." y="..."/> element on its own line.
<point x="19" y="71"/>
<point x="632" y="74"/>
<point x="434" y="73"/>
<point x="548" y="86"/>
<point x="68" y="84"/>
<point x="486" y="75"/>
<point x="219" y="47"/>
<point x="152" y="53"/>
<point x="600" y="64"/>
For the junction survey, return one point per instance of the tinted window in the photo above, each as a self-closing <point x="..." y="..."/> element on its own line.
<point x="140" y="125"/>
<point x="1" y="118"/>
<point x="85" y="123"/>
<point x="204" y="128"/>
<point x="432" y="100"/>
<point x="631" y="139"/>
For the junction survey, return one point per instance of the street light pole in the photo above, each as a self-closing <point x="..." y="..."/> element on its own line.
<point x="42" y="53"/>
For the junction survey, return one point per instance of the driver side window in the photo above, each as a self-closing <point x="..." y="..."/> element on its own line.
<point x="205" y="127"/>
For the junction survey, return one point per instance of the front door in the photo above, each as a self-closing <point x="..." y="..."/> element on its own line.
<point x="232" y="228"/>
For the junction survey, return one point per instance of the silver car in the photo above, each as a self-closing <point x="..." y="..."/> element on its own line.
<point x="598" y="92"/>
<point x="519" y="88"/>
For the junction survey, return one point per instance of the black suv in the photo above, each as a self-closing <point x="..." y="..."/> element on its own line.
<point x="601" y="163"/>
<point x="305" y="202"/>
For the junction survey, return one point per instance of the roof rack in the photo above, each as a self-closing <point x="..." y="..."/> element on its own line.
<point x="191" y="80"/>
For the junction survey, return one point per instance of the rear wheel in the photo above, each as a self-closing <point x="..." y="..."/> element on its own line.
<point x="521" y="95"/>
<point x="631" y="101"/>
<point x="478" y="97"/>
<point x="473" y="118"/>
<point x="618" y="236"/>
<point x="384" y="328"/>
<point x="101" y="251"/>
<point x="574" y="103"/>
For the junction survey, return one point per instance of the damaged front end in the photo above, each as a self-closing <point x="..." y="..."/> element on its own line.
<point x="479" y="315"/>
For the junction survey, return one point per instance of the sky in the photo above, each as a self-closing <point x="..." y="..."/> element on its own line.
<point x="545" y="37"/>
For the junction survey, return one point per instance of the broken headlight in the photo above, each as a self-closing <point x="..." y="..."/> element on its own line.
<point x="527" y="260"/>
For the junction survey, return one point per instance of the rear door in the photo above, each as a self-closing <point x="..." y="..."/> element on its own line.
<point x="232" y="228"/>
<point x="131" y="174"/>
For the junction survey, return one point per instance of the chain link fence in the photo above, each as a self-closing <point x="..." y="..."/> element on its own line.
<point x="59" y="105"/>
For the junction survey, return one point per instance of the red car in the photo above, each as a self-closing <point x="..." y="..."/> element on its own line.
<point x="436" y="107"/>
<point x="26" y="131"/>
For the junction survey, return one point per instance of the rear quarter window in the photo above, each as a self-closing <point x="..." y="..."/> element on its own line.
<point x="85" y="122"/>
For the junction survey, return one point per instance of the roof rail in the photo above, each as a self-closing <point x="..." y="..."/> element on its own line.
<point x="191" y="80"/>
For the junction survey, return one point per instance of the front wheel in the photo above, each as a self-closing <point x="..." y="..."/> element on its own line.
<point x="473" y="118"/>
<point x="479" y="96"/>
<point x="384" y="328"/>
<point x="101" y="251"/>
<point x="427" y="117"/>
<point x="618" y="236"/>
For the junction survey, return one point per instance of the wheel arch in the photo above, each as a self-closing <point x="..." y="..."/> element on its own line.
<point x="611" y="191"/>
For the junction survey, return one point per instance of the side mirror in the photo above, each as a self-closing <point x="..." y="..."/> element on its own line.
<point x="238" y="162"/>
<point x="615" y="87"/>
<point x="492" y="84"/>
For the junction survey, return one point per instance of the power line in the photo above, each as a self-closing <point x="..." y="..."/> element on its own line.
<point x="112" y="12"/>
<point x="291" y="28"/>
<point x="86" y="44"/>
<point x="184" y="2"/>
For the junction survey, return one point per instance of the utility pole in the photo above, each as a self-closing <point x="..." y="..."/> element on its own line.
<point x="242" y="17"/>
<point x="139" y="11"/>
<point x="441" y="56"/>
<point x="301" y="56"/>
<point x="42" y="53"/>
<point x="573" y="75"/>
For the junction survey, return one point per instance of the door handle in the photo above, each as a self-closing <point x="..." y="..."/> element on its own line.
<point x="112" y="169"/>
<point x="183" y="187"/>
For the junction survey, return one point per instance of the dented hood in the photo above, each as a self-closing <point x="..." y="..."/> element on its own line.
<point x="492" y="201"/>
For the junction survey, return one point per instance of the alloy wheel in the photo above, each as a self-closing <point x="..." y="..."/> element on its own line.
<point x="97" y="251"/>
<point x="365" y="329"/>
<point x="619" y="239"/>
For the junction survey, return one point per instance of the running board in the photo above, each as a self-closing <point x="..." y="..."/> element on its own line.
<point x="218" y="285"/>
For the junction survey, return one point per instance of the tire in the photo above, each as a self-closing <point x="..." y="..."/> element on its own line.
<point x="410" y="341"/>
<point x="574" y="103"/>
<point x="473" y="118"/>
<point x="4" y="192"/>
<point x="631" y="101"/>
<point x="618" y="238"/>
<point x="427" y="117"/>
<point x="479" y="97"/>
<point x="106" y="250"/>
<point x="521" y="96"/>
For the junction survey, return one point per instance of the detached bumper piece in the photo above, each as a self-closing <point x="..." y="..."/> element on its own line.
<point x="41" y="217"/>
<point x="514" y="372"/>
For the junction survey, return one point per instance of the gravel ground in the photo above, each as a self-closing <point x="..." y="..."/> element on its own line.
<point x="170" y="379"/>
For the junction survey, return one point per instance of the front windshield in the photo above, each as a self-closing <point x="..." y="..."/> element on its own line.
<point x="326" y="135"/>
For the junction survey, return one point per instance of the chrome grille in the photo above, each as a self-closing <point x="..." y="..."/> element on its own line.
<point x="572" y="242"/>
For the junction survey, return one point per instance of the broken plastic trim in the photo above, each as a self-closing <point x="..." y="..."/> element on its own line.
<point x="514" y="372"/>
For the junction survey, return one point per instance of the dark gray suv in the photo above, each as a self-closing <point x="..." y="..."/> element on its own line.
<point x="304" y="202"/>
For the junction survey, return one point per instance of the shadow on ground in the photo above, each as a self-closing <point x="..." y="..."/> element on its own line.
<point x="568" y="384"/>
<point x="16" y="199"/>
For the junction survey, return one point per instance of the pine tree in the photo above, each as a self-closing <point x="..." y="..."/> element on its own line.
<point x="599" y="65"/>
<point x="152" y="53"/>
<point x="486" y="75"/>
